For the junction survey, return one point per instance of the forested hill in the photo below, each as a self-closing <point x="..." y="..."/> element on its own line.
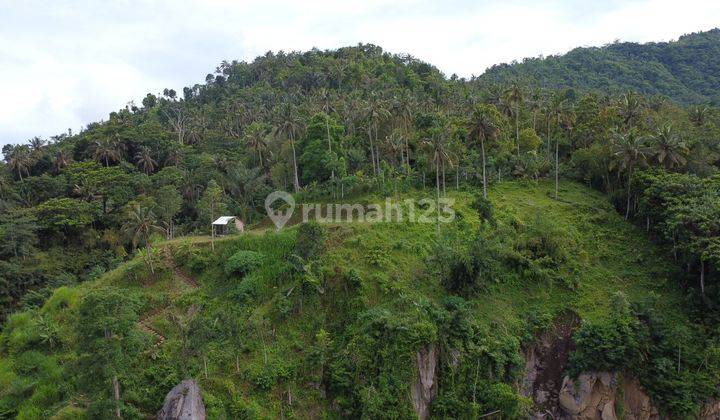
<point x="686" y="70"/>
<point x="112" y="291"/>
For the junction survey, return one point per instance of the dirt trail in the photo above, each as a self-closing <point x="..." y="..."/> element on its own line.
<point x="145" y="325"/>
<point x="177" y="272"/>
<point x="144" y="322"/>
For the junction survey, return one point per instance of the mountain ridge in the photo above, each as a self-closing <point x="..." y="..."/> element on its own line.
<point x="685" y="70"/>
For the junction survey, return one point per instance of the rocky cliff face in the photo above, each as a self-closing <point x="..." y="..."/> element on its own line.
<point x="606" y="396"/>
<point x="183" y="402"/>
<point x="594" y="395"/>
<point x="424" y="389"/>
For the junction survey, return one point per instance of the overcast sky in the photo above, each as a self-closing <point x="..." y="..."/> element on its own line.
<point x="64" y="64"/>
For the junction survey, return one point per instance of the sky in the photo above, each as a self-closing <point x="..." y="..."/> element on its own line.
<point x="64" y="64"/>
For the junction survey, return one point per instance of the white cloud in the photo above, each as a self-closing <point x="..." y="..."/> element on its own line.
<point x="65" y="64"/>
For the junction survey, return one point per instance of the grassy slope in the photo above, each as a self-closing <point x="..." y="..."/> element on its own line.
<point x="275" y="346"/>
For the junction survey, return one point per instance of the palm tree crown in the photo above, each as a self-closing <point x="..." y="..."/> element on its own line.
<point x="145" y="160"/>
<point x="670" y="151"/>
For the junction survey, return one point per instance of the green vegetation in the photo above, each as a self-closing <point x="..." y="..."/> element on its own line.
<point x="684" y="70"/>
<point x="113" y="289"/>
<point x="269" y="331"/>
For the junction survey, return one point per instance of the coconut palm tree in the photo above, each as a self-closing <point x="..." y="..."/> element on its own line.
<point x="484" y="125"/>
<point x="20" y="160"/>
<point x="669" y="150"/>
<point x="255" y="137"/>
<point x="61" y="161"/>
<point x="436" y="146"/>
<point x="403" y="106"/>
<point x="106" y="150"/>
<point x="514" y="95"/>
<point x="629" y="150"/>
<point x="290" y="126"/>
<point x="325" y="99"/>
<point x="629" y="108"/>
<point x="145" y="160"/>
<point x="36" y="145"/>
<point x="376" y="111"/>
<point x="175" y="154"/>
<point x="140" y="224"/>
<point x="566" y="121"/>
<point x="698" y="115"/>
<point x="560" y="112"/>
<point x="86" y="189"/>
<point x="351" y="111"/>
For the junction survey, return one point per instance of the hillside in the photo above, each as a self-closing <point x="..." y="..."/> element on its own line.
<point x="113" y="292"/>
<point x="328" y="321"/>
<point x="685" y="70"/>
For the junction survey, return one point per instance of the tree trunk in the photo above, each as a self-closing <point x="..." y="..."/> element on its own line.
<point x="327" y="127"/>
<point x="443" y="167"/>
<point x="547" y="134"/>
<point x="557" y="165"/>
<point x="437" y="191"/>
<point x="482" y="148"/>
<point x="116" y="393"/>
<point x="372" y="151"/>
<point x="627" y="208"/>
<point x="212" y="226"/>
<point x="296" y="181"/>
<point x="702" y="278"/>
<point x="149" y="256"/>
<point x="377" y="148"/>
<point x="407" y="152"/>
<point x="517" y="127"/>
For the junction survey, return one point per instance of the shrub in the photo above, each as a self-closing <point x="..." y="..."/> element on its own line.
<point x="544" y="239"/>
<point x="69" y="412"/>
<point x="20" y="333"/>
<point x="310" y="240"/>
<point x="61" y="299"/>
<point x="244" y="409"/>
<point x="466" y="270"/>
<point x="243" y="262"/>
<point x="484" y="209"/>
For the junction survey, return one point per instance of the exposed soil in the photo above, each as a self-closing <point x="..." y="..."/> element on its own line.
<point x="546" y="362"/>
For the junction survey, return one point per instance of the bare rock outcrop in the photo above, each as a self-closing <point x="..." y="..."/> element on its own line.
<point x="600" y="395"/>
<point x="710" y="410"/>
<point x="636" y="402"/>
<point x="184" y="402"/>
<point x="591" y="396"/>
<point x="424" y="388"/>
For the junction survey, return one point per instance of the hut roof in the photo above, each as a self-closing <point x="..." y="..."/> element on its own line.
<point x="223" y="220"/>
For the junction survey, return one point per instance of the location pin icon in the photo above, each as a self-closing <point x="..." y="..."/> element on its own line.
<point x="279" y="217"/>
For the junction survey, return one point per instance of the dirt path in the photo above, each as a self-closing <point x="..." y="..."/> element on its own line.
<point x="177" y="272"/>
<point x="145" y="325"/>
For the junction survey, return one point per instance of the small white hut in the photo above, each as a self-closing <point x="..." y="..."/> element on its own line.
<point x="224" y="225"/>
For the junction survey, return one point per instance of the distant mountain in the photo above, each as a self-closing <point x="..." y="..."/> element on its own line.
<point x="686" y="70"/>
